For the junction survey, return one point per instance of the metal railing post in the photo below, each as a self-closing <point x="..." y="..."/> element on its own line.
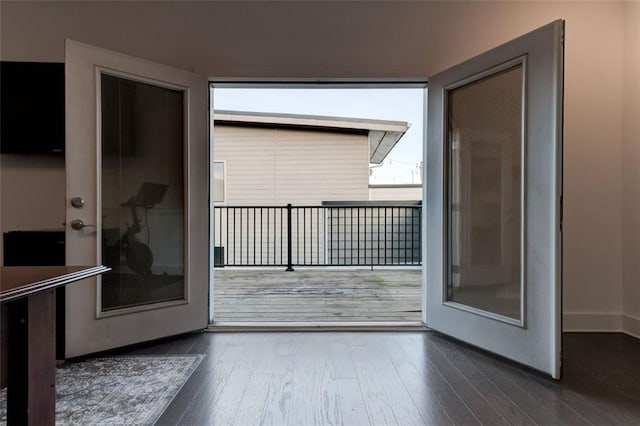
<point x="289" y="244"/>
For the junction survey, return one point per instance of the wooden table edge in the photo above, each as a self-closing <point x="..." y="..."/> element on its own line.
<point x="60" y="280"/>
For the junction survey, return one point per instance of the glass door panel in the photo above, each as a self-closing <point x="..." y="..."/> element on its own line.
<point x="142" y="182"/>
<point x="484" y="197"/>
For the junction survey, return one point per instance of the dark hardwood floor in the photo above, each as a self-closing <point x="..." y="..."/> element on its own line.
<point x="404" y="378"/>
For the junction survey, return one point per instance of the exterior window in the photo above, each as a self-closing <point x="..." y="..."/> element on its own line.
<point x="218" y="182"/>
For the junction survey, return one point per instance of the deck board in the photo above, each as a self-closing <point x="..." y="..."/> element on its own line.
<point x="317" y="295"/>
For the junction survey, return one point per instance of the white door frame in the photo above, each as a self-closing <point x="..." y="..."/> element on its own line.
<point x="322" y="83"/>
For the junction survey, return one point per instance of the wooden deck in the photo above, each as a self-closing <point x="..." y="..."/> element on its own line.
<point x="317" y="295"/>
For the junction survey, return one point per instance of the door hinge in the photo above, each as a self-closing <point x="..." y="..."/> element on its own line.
<point x="561" y="213"/>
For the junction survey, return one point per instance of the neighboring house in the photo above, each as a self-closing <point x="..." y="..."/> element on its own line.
<point x="265" y="161"/>
<point x="277" y="159"/>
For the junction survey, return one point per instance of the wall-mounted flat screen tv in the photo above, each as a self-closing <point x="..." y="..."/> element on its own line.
<point x="32" y="108"/>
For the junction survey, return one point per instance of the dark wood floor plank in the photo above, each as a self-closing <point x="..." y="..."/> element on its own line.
<point x="230" y="369"/>
<point x="415" y="379"/>
<point x="595" y="355"/>
<point x="314" y="380"/>
<point x="596" y="406"/>
<point x="549" y="411"/>
<point x="491" y="394"/>
<point x="379" y="407"/>
<point x="172" y="345"/>
<point x="352" y="405"/>
<point x="456" y="409"/>
<point x="584" y="406"/>
<point x="467" y="391"/>
<point x="548" y="391"/>
<point x="253" y="401"/>
<point x="342" y="359"/>
<point x="403" y="406"/>
<point x="176" y="410"/>
<point x="279" y="393"/>
<point x="603" y="369"/>
<point x="198" y="344"/>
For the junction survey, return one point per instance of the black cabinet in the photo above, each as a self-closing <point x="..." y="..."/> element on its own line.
<point x="40" y="248"/>
<point x="34" y="248"/>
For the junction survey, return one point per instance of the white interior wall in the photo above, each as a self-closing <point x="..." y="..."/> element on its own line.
<point x="631" y="171"/>
<point x="393" y="40"/>
<point x="32" y="194"/>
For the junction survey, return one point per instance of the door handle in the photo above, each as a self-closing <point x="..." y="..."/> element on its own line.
<point x="78" y="224"/>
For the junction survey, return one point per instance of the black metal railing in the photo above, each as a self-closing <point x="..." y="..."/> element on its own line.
<point x="335" y="234"/>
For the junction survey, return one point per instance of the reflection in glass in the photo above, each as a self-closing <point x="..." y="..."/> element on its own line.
<point x="142" y="193"/>
<point x="218" y="182"/>
<point x="484" y="148"/>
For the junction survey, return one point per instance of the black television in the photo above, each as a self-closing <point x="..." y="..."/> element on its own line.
<point x="32" y="108"/>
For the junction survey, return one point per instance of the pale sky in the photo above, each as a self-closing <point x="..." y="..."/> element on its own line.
<point x="402" y="163"/>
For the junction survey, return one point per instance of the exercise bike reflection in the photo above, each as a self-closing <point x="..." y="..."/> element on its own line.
<point x="132" y="281"/>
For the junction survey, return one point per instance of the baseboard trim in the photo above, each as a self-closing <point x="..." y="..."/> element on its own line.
<point x="591" y="322"/>
<point x="631" y="326"/>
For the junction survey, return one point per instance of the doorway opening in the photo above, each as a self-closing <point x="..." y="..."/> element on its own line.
<point x="317" y="204"/>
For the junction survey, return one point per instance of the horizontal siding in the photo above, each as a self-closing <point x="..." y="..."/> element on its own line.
<point x="250" y="171"/>
<point x="280" y="166"/>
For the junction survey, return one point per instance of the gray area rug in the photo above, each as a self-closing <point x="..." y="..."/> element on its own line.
<point x="117" y="391"/>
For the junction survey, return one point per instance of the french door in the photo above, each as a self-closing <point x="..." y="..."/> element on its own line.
<point x="493" y="199"/>
<point x="137" y="165"/>
<point x="137" y="199"/>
